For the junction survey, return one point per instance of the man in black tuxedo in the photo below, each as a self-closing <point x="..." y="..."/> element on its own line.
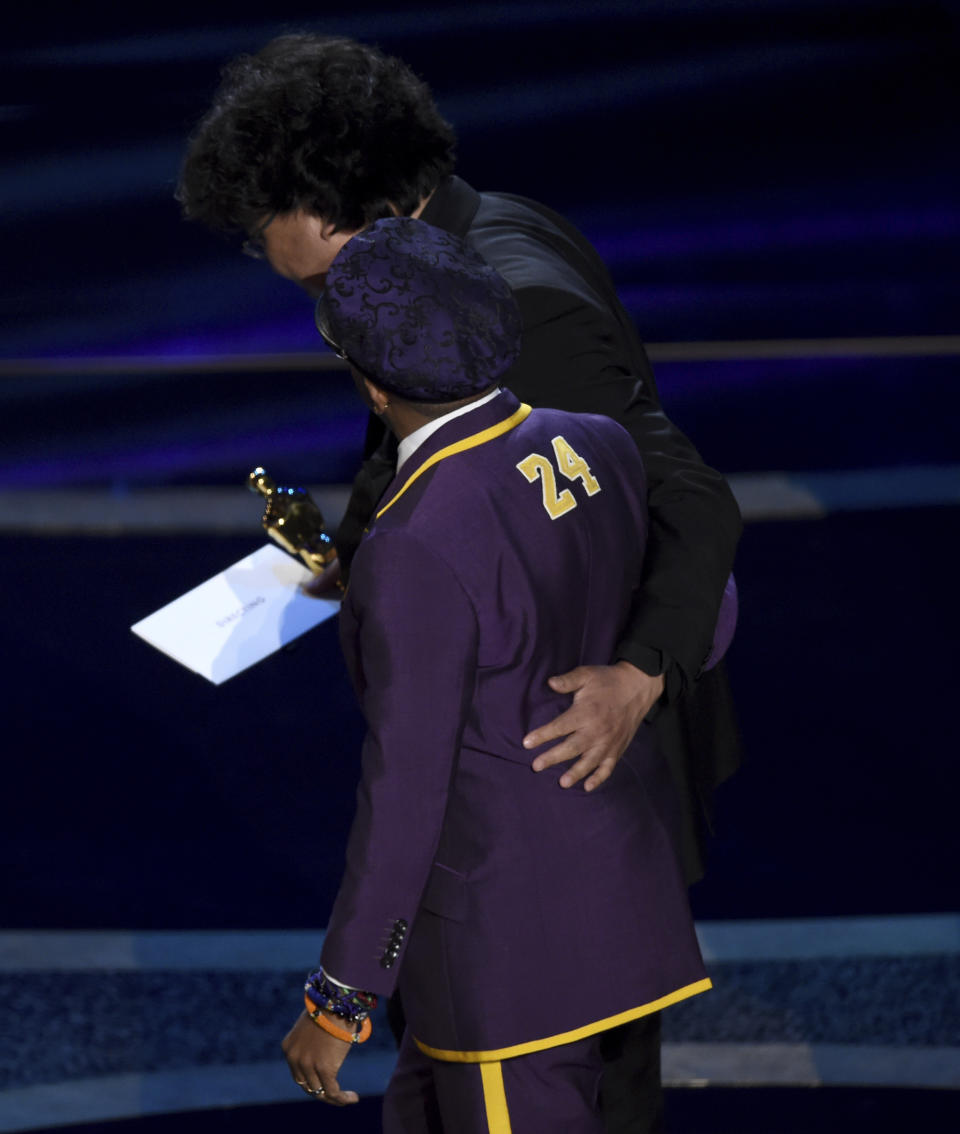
<point x="314" y="138"/>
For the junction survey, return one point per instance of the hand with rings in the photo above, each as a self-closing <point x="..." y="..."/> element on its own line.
<point x="314" y="1057"/>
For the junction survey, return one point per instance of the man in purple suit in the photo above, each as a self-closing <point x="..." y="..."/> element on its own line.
<point x="312" y="139"/>
<point x="520" y="920"/>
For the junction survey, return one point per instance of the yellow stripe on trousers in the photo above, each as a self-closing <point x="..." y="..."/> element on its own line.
<point x="495" y="1098"/>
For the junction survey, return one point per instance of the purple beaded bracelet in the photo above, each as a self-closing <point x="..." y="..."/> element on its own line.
<point x="347" y="1003"/>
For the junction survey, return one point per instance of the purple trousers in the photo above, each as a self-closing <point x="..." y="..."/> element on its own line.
<point x="556" y="1090"/>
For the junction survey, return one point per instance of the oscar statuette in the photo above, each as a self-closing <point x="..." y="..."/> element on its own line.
<point x="294" y="521"/>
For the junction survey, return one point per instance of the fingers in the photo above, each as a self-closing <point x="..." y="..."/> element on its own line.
<point x="575" y="773"/>
<point x="326" y="584"/>
<point x="594" y="745"/>
<point x="322" y="1085"/>
<point x="333" y="1094"/>
<point x="306" y="1078"/>
<point x="597" y="759"/>
<point x="569" y="720"/>
<point x="609" y="704"/>
<point x="602" y="773"/>
<point x="560" y="754"/>
<point x="597" y="763"/>
<point x="559" y="727"/>
<point x="314" y="1058"/>
<point x="310" y="1084"/>
<point x="570" y="682"/>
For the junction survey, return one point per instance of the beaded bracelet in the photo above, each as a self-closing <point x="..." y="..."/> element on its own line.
<point x="321" y="1021"/>
<point x="349" y="1003"/>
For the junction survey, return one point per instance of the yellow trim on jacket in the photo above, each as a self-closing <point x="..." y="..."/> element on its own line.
<point x="461" y="446"/>
<point x="565" y="1037"/>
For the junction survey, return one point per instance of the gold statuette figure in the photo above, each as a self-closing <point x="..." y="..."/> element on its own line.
<point x="294" y="521"/>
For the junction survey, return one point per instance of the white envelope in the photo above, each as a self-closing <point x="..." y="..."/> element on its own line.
<point x="239" y="617"/>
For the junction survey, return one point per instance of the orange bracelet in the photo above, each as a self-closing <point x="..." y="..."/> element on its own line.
<point x="321" y="1021"/>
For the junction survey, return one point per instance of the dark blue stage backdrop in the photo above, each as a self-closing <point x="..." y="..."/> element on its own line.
<point x="748" y="170"/>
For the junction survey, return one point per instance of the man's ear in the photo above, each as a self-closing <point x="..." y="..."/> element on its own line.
<point x="379" y="398"/>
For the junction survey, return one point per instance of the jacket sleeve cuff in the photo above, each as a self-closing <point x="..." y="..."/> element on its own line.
<point x="653" y="663"/>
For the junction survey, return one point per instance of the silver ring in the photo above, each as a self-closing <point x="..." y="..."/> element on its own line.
<point x="317" y="1093"/>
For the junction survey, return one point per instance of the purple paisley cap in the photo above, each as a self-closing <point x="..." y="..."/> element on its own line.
<point x="419" y="312"/>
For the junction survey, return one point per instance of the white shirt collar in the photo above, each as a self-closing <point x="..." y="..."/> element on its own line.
<point x="412" y="442"/>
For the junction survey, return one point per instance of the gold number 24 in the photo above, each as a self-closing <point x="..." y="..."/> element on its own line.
<point x="571" y="465"/>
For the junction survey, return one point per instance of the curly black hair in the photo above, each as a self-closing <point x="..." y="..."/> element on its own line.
<point x="320" y="123"/>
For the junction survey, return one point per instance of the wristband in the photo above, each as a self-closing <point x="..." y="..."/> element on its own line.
<point x="361" y="1036"/>
<point x="349" y="1003"/>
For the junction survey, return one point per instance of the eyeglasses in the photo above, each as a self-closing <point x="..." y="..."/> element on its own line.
<point x="323" y="326"/>
<point x="326" y="333"/>
<point x="254" y="245"/>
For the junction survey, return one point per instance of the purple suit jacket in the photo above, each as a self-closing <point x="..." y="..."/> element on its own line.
<point x="517" y="914"/>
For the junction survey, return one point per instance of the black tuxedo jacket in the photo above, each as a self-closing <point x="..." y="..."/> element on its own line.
<point x="581" y="352"/>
